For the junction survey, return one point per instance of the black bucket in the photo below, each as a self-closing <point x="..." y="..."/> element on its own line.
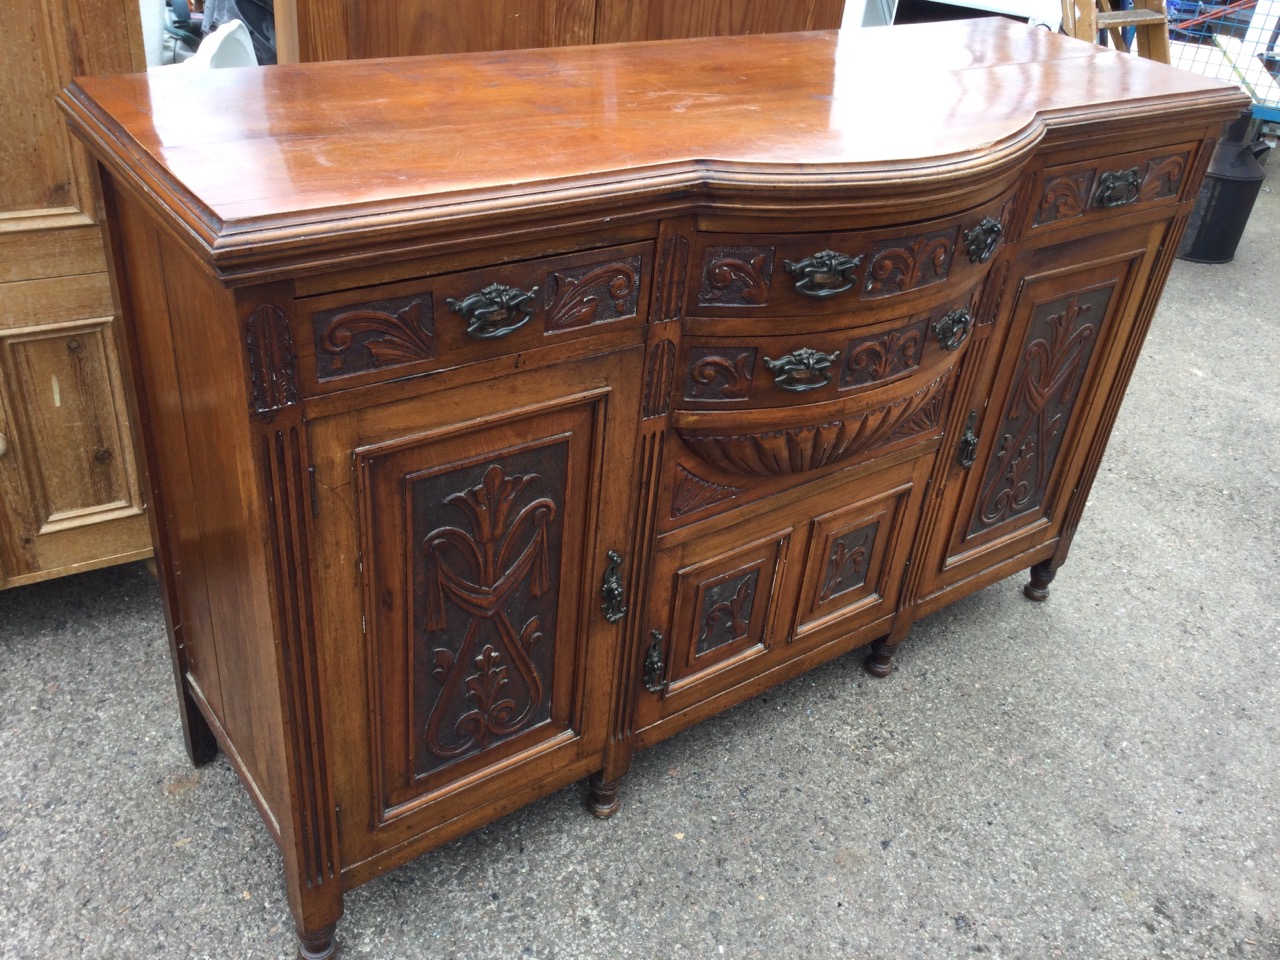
<point x="1230" y="188"/>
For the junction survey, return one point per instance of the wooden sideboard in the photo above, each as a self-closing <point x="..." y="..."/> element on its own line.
<point x="507" y="413"/>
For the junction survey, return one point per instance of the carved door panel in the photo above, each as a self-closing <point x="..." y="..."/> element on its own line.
<point x="486" y="544"/>
<point x="69" y="495"/>
<point x="1029" y="447"/>
<point x="729" y="608"/>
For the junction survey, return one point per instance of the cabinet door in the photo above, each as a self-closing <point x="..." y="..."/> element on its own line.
<point x="69" y="494"/>
<point x="487" y="516"/>
<point x="1072" y="318"/>
<point x="743" y="607"/>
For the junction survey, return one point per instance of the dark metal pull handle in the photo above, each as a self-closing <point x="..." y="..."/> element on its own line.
<point x="824" y="274"/>
<point x="495" y="311"/>
<point x="611" y="589"/>
<point x="655" y="666"/>
<point x="953" y="329"/>
<point x="803" y="370"/>
<point x="967" y="451"/>
<point x="1118" y="187"/>
<point x="982" y="240"/>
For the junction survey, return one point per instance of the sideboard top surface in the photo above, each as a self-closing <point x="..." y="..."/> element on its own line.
<point x="254" y="156"/>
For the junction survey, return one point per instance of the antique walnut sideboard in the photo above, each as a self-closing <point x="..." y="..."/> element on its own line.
<point x="506" y="413"/>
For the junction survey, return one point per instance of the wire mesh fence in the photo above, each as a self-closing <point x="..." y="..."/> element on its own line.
<point x="1237" y="40"/>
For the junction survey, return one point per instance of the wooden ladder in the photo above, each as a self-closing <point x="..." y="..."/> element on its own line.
<point x="1083" y="19"/>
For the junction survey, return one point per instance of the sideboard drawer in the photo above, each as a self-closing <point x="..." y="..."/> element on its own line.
<point x="814" y="274"/>
<point x="418" y="326"/>
<point x="1098" y="187"/>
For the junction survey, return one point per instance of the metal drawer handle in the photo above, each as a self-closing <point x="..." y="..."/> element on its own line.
<point x="495" y="311"/>
<point x="803" y="370"/>
<point x="824" y="274"/>
<point x="981" y="242"/>
<point x="953" y="329"/>
<point x="1118" y="187"/>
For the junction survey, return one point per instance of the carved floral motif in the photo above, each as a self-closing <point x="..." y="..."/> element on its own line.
<point x="720" y="374"/>
<point x="808" y="446"/>
<point x="477" y="576"/>
<point x="1064" y="196"/>
<point x="593" y="294"/>
<point x="693" y="493"/>
<point x="1051" y="371"/>
<point x="736" y="276"/>
<point x="379" y="334"/>
<point x="907" y="264"/>
<point x="847" y="562"/>
<point x="273" y="366"/>
<point x="875" y="359"/>
<point x="726" y="611"/>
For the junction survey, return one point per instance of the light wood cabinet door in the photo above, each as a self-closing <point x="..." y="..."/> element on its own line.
<point x="69" y="494"/>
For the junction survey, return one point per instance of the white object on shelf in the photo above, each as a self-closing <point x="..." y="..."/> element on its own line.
<point x="228" y="46"/>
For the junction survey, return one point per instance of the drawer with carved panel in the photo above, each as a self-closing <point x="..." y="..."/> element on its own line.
<point x="435" y="323"/>
<point x="1082" y="190"/>
<point x="795" y="405"/>
<point x="817" y="274"/>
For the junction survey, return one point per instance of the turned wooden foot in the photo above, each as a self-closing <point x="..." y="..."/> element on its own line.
<point x="879" y="662"/>
<point x="602" y="797"/>
<point x="317" y="944"/>
<point x="1042" y="575"/>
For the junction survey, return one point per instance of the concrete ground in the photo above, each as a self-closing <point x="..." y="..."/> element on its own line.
<point x="1094" y="777"/>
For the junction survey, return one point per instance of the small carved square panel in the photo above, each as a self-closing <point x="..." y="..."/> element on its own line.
<point x="719" y="373"/>
<point x="367" y="336"/>
<point x="909" y="263"/>
<point x="581" y="295"/>
<point x="723" y="606"/>
<point x="845" y="566"/>
<point x="736" y="276"/>
<point x="886" y="356"/>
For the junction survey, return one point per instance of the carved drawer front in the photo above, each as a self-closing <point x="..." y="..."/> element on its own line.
<point x="479" y="558"/>
<point x="813" y="274"/>
<point x="403" y="329"/>
<point x="747" y="600"/>
<point x="1071" y="192"/>
<point x="776" y="406"/>
<point x="724" y="373"/>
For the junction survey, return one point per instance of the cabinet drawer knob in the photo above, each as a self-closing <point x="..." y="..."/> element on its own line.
<point x="824" y="274"/>
<point x="1118" y="187"/>
<point x="611" y="589"/>
<point x="805" y="369"/>
<point x="953" y="329"/>
<point x="981" y="242"/>
<point x="495" y="311"/>
<point x="655" y="667"/>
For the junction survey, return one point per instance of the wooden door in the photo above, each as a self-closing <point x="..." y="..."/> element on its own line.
<point x="490" y="518"/>
<point x="1070" y="320"/>
<point x="69" y="495"/>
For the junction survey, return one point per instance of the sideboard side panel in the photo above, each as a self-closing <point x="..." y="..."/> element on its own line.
<point x="197" y="415"/>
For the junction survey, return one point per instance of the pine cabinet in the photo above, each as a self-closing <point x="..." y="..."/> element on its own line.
<point x="552" y="407"/>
